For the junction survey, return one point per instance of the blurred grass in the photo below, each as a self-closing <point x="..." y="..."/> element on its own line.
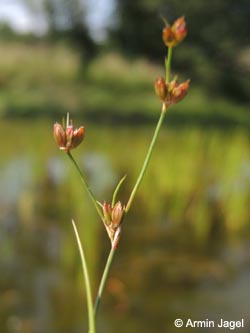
<point x="198" y="177"/>
<point x="40" y="80"/>
<point x="184" y="229"/>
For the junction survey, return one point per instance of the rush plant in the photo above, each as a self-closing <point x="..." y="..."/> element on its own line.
<point x="113" y="214"/>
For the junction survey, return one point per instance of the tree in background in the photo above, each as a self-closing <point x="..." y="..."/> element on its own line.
<point x="66" y="19"/>
<point x="137" y="29"/>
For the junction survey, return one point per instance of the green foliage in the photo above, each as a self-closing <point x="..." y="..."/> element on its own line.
<point x="66" y="21"/>
<point x="38" y="79"/>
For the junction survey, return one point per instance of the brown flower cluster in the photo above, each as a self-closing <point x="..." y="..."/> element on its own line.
<point x="173" y="35"/>
<point x="67" y="137"/>
<point x="112" y="218"/>
<point x="172" y="92"/>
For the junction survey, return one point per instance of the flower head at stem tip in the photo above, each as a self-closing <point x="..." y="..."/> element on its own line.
<point x="173" y="35"/>
<point x="172" y="92"/>
<point x="67" y="137"/>
<point x="112" y="219"/>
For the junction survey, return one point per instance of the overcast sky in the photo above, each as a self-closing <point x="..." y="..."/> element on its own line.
<point x="21" y="19"/>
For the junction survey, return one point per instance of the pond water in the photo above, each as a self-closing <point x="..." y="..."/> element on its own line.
<point x="185" y="247"/>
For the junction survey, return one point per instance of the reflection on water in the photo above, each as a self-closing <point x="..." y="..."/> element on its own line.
<point x="100" y="173"/>
<point x="185" y="248"/>
<point x="15" y="176"/>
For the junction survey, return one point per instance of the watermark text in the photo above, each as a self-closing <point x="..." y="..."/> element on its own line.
<point x="221" y="323"/>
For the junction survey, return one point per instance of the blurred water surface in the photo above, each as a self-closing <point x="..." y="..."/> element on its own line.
<point x="184" y="251"/>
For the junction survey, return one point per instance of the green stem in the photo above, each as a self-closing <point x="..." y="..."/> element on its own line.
<point x="90" y="193"/>
<point x="112" y="251"/>
<point x="87" y="282"/>
<point x="131" y="198"/>
<point x="147" y="159"/>
<point x="157" y="129"/>
<point x="168" y="64"/>
<point x="103" y="280"/>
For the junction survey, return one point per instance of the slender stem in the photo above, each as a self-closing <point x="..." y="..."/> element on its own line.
<point x="133" y="193"/>
<point x="157" y="129"/>
<point x="147" y="159"/>
<point x="168" y="64"/>
<point x="103" y="280"/>
<point x="90" y="193"/>
<point x="117" y="190"/>
<point x="87" y="282"/>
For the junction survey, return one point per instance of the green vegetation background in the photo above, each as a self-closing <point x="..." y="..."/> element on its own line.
<point x="66" y="70"/>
